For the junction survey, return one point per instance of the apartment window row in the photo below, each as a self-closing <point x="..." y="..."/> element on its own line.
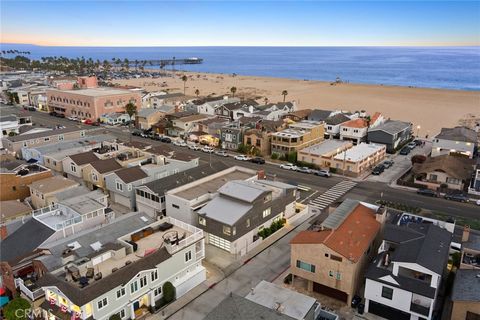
<point x="267" y="212"/>
<point x="150" y="196"/>
<point x="71" y="101"/>
<point x="102" y="303"/>
<point x="305" y="266"/>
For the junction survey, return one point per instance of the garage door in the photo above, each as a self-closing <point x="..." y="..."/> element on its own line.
<point x="386" y="311"/>
<point x="331" y="292"/>
<point x="219" y="242"/>
<point x="124" y="201"/>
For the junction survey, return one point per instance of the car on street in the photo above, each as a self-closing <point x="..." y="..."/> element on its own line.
<point x="412" y="145"/>
<point x="258" y="160"/>
<point x="427" y="192"/>
<point x="208" y="149"/>
<point x="388" y="164"/>
<point x="288" y="166"/>
<point x="136" y="132"/>
<point x="405" y="151"/>
<point x="378" y="170"/>
<point x="180" y="143"/>
<point x="72" y="118"/>
<point x="460" y="197"/>
<point x="166" y="140"/>
<point x="193" y="147"/>
<point x="477" y="202"/>
<point x="418" y="142"/>
<point x="304" y="170"/>
<point x="242" y="157"/>
<point x="221" y="153"/>
<point x="322" y="173"/>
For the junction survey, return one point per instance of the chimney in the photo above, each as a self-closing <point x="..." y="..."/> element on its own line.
<point x="466" y="233"/>
<point x="261" y="175"/>
<point x="381" y="214"/>
<point x="3" y="232"/>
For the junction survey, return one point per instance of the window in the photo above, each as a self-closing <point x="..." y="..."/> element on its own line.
<point x="119" y="186"/>
<point x="339" y="276"/>
<point x="175" y="206"/>
<point x="336" y="258"/>
<point x="433" y="177"/>
<point x="143" y="281"/>
<point x="14" y="188"/>
<point x="82" y="133"/>
<point x="157" y="291"/>
<point x="129" y="187"/>
<point x="305" y="266"/>
<point x="122" y="313"/>
<point x="247" y="223"/>
<point x="47" y="139"/>
<point x="94" y="176"/>
<point x="387" y="293"/>
<point x="102" y="303"/>
<point x="73" y="168"/>
<point x="120" y="293"/>
<point x="154" y="275"/>
<point x="202" y="221"/>
<point x="134" y="287"/>
<point x="227" y="230"/>
<point x="60" y="137"/>
<point x="267" y="212"/>
<point x="188" y="256"/>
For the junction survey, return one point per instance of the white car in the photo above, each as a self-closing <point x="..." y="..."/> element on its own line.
<point x="72" y="118"/>
<point x="221" y="153"/>
<point x="478" y="202"/>
<point x="242" y="157"/>
<point x="179" y="143"/>
<point x="193" y="147"/>
<point x="288" y="166"/>
<point x="208" y="149"/>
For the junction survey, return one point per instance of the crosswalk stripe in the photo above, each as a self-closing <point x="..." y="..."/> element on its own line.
<point x="332" y="194"/>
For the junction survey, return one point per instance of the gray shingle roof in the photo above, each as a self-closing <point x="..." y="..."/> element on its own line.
<point x="391" y="127"/>
<point x="336" y="119"/>
<point x="160" y="186"/>
<point x="458" y="134"/>
<point x="131" y="174"/>
<point x="466" y="286"/>
<point x="234" y="307"/>
<point x="106" y="165"/>
<point x="43" y="134"/>
<point x="319" y="115"/>
<point x="84" y="158"/>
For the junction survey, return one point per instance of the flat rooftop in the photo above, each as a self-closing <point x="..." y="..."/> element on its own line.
<point x="326" y="147"/>
<point x="359" y="152"/>
<point x="305" y="124"/>
<point x="94" y="92"/>
<point x="290" y="133"/>
<point x="212" y="185"/>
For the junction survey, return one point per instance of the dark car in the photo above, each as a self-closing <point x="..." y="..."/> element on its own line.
<point x="378" y="170"/>
<point x="457" y="197"/>
<point x="166" y="140"/>
<point x="405" y="151"/>
<point x="32" y="109"/>
<point x="136" y="132"/>
<point x="356" y="301"/>
<point x="388" y="163"/>
<point x="418" y="142"/>
<point x="258" y="160"/>
<point x="427" y="192"/>
<point x="53" y="113"/>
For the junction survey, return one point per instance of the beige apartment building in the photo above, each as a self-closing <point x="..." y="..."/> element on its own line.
<point x="321" y="154"/>
<point x="297" y="136"/>
<point x="359" y="159"/>
<point x="333" y="258"/>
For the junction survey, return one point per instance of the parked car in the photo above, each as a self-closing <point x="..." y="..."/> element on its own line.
<point x="95" y="123"/>
<point x="72" y="118"/>
<point x="208" y="149"/>
<point x="378" y="170"/>
<point x="288" y="166"/>
<point x="166" y="140"/>
<point x="412" y="145"/>
<point x="180" y="143"/>
<point x="477" y="202"/>
<point x="405" y="151"/>
<point x="356" y="300"/>
<point x="31" y="108"/>
<point x="136" y="132"/>
<point x="418" y="142"/>
<point x="304" y="170"/>
<point x="388" y="163"/>
<point x="457" y="197"/>
<point x="242" y="157"/>
<point x="323" y="173"/>
<point x="258" y="160"/>
<point x="427" y="192"/>
<point x="193" y="147"/>
<point x="221" y="153"/>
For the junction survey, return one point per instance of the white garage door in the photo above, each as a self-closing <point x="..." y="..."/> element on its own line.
<point x="219" y="242"/>
<point x="124" y="201"/>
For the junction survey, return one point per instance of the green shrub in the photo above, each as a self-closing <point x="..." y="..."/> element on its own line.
<point x="115" y="316"/>
<point x="333" y="170"/>
<point x="275" y="226"/>
<point x="292" y="157"/>
<point x="10" y="310"/>
<point x="168" y="292"/>
<point x="274" y="156"/>
<point x="283" y="157"/>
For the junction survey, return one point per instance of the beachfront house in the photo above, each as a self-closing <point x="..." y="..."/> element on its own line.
<point x="394" y="134"/>
<point x="460" y="141"/>
<point x="333" y="123"/>
<point x="356" y="130"/>
<point x="297" y="136"/>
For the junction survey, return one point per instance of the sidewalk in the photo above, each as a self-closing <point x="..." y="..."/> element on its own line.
<point x="175" y="306"/>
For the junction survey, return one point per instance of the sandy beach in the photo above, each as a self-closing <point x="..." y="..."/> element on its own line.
<point x="431" y="109"/>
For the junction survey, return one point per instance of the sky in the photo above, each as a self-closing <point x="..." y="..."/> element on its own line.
<point x="240" y="23"/>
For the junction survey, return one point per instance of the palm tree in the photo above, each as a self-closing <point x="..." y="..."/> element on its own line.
<point x="184" y="79"/>
<point x="130" y="109"/>
<point x="197" y="92"/>
<point x="265" y="100"/>
<point x="233" y="90"/>
<point x="284" y="94"/>
<point x="127" y="64"/>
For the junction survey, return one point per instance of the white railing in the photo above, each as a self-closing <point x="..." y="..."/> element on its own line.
<point x="32" y="295"/>
<point x="196" y="235"/>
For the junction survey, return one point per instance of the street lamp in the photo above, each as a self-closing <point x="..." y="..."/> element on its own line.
<point x="418" y="130"/>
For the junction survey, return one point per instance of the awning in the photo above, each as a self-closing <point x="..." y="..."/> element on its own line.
<point x="4" y="300"/>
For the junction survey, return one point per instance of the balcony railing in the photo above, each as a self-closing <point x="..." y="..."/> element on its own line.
<point x="419" y="309"/>
<point x="31" y="291"/>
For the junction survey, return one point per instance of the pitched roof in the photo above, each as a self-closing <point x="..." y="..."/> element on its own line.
<point x="12" y="208"/>
<point x="235" y="307"/>
<point x="466" y="286"/>
<point x="160" y="186"/>
<point x="81" y="296"/>
<point x="24" y="240"/>
<point x="356" y="123"/>
<point x="193" y="117"/>
<point x="455" y="167"/>
<point x="303" y="113"/>
<point x="458" y="134"/>
<point x="336" y="119"/>
<point x="392" y="126"/>
<point x="106" y="165"/>
<point x="52" y="184"/>
<point x="83" y="158"/>
<point x="43" y="134"/>
<point x="145" y="112"/>
<point x="319" y="115"/>
<point x="347" y="238"/>
<point x="131" y="174"/>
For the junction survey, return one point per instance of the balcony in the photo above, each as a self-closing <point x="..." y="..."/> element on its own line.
<point x="417" y="308"/>
<point x="29" y="288"/>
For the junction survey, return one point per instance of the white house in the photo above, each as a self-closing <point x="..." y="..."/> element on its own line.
<point x="458" y="140"/>
<point x="357" y="129"/>
<point x="404" y="281"/>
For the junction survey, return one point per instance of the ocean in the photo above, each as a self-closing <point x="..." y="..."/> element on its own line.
<point x="430" y="67"/>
